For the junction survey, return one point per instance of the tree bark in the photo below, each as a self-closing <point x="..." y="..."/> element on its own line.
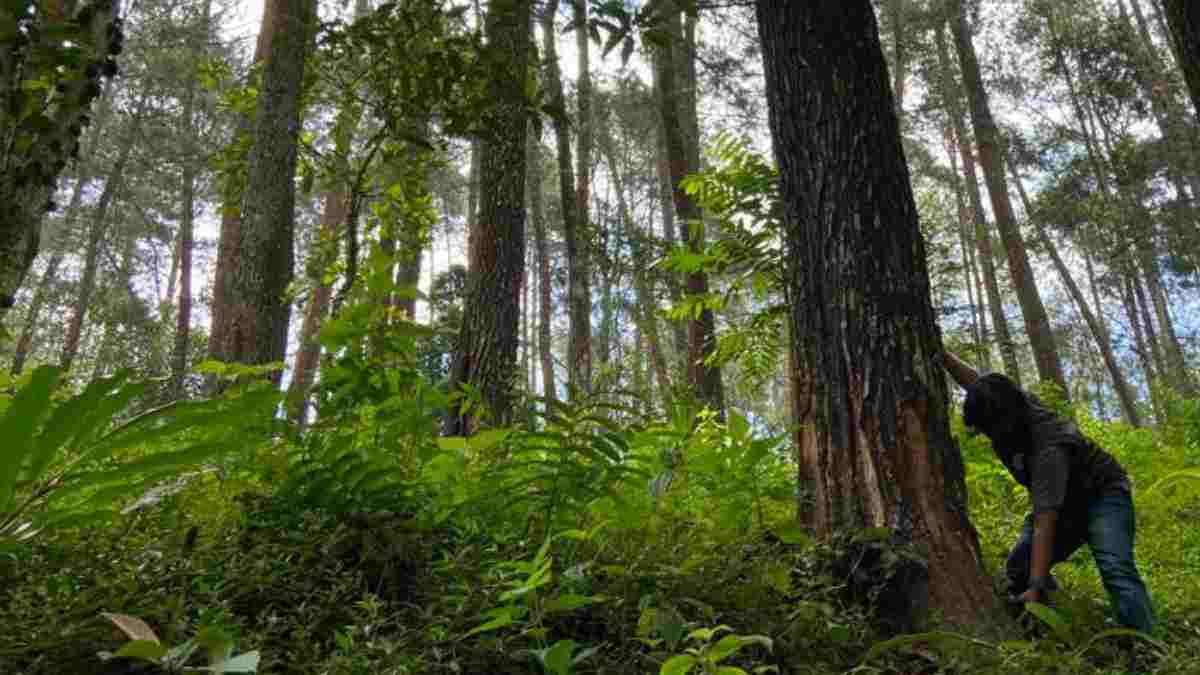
<point x="254" y="318"/>
<point x="873" y="433"/>
<point x="1183" y="16"/>
<point x="704" y="379"/>
<point x="228" y="256"/>
<point x="982" y="236"/>
<point x="1037" y="323"/>
<point x="538" y="216"/>
<point x="28" y="176"/>
<point x="486" y="353"/>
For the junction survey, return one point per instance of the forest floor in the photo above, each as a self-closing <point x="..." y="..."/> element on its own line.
<point x="700" y="574"/>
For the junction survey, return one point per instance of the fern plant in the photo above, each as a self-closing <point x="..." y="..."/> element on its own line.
<point x="69" y="460"/>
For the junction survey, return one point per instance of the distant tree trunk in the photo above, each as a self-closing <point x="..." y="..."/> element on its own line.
<point x="536" y="173"/>
<point x="1177" y="371"/>
<point x="1037" y="323"/>
<point x="704" y="379"/>
<point x="970" y="278"/>
<point x="91" y="258"/>
<point x="254" y="320"/>
<point x="335" y="210"/>
<point x="642" y="309"/>
<point x="486" y="353"/>
<point x="1099" y="331"/>
<point x="31" y="169"/>
<point x="228" y="255"/>
<point x="1141" y="346"/>
<point x="666" y="192"/>
<point x="1144" y="311"/>
<point x="982" y="238"/>
<point x="1184" y="18"/>
<point x="579" y="295"/>
<point x="874" y="437"/>
<point x="183" y="318"/>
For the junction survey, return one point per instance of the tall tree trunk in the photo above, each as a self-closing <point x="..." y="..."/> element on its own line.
<point x="1037" y="323"/>
<point x="874" y="435"/>
<point x="1099" y="331"/>
<point x="91" y="258"/>
<point x="486" y="353"/>
<point x="983" y="238"/>
<point x="666" y="192"/>
<point x="183" y="318"/>
<point x="1183" y="16"/>
<point x="29" y="169"/>
<point x="1178" y="373"/>
<point x="1139" y="294"/>
<point x="579" y="296"/>
<point x="704" y="379"/>
<point x="538" y="216"/>
<point x="254" y="318"/>
<point x="335" y="210"/>
<point x="228" y="255"/>
<point x="643" y="310"/>
<point x="1141" y="346"/>
<point x="583" y="179"/>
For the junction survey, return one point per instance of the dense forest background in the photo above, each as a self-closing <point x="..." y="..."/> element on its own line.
<point x="514" y="336"/>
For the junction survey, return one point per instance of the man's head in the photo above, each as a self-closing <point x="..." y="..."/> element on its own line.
<point x="995" y="405"/>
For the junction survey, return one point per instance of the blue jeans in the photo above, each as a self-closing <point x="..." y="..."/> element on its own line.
<point x="1108" y="528"/>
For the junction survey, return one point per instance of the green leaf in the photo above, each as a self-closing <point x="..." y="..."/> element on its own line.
<point x="501" y="617"/>
<point x="916" y="638"/>
<point x="680" y="664"/>
<point x="568" y="602"/>
<point x="725" y="647"/>
<point x="17" y="427"/>
<point x="489" y="438"/>
<point x="557" y="658"/>
<point x="1053" y="619"/>
<point x="145" y="650"/>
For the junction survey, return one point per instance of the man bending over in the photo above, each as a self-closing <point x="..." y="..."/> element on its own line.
<point x="1080" y="493"/>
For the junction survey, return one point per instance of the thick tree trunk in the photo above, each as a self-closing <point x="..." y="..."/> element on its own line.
<point x="1099" y="331"/>
<point x="874" y="439"/>
<point x="982" y="236"/>
<point x="28" y="175"/>
<point x="1183" y="16"/>
<point x="254" y="317"/>
<point x="579" y="294"/>
<point x="486" y="353"/>
<point x="536" y="173"/>
<point x="1037" y="323"/>
<point x="704" y="379"/>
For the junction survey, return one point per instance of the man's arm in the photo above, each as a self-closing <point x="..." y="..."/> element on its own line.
<point x="1044" y="530"/>
<point x="962" y="373"/>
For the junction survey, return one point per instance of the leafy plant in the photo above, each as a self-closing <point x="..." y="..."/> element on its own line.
<point x="144" y="645"/>
<point x="67" y="461"/>
<point x="708" y="652"/>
